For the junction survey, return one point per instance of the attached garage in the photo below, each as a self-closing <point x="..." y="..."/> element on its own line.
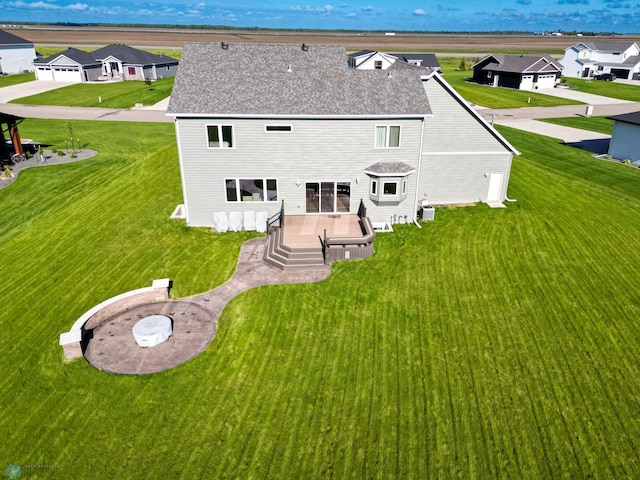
<point x="621" y="72"/>
<point x="44" y="73"/>
<point x="66" y="74"/>
<point x="546" y="81"/>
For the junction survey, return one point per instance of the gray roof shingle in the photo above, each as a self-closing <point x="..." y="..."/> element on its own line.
<point x="7" y="38"/>
<point x="78" y="56"/>
<point x="132" y="56"/>
<point x="633" y="118"/>
<point x="522" y="63"/>
<point x="270" y="79"/>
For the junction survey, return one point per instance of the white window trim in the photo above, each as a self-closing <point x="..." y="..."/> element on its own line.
<point x="387" y="135"/>
<point x="373" y="190"/>
<point x="264" y="188"/>
<point x="404" y="187"/>
<point x="220" y="125"/>
<point x="383" y="194"/>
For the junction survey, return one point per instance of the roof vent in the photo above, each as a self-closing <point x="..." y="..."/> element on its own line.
<point x="389" y="75"/>
<point x="305" y="47"/>
<point x="224" y="45"/>
<point x="289" y="69"/>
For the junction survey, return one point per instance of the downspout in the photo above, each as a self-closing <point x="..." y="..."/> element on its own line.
<point x="415" y="209"/>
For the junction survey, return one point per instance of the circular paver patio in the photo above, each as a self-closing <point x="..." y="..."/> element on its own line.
<point x="114" y="349"/>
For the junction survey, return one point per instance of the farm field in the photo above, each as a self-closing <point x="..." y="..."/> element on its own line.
<point x="176" y="37"/>
<point x="491" y="343"/>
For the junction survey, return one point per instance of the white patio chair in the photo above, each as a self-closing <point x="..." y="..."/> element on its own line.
<point x="220" y="222"/>
<point x="261" y="222"/>
<point x="235" y="221"/>
<point x="249" y="221"/>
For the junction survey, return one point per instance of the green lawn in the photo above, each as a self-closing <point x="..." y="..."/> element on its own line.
<point x="15" y="79"/>
<point x="618" y="90"/>
<point x="595" y="124"/>
<point x="491" y="343"/>
<point x="498" y="97"/>
<point x="106" y="95"/>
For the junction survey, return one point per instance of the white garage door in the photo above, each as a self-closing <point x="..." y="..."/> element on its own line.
<point x="527" y="82"/>
<point x="546" y="81"/>
<point x="43" y="73"/>
<point x="66" y="75"/>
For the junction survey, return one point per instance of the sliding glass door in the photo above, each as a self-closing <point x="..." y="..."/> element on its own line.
<point x="328" y="197"/>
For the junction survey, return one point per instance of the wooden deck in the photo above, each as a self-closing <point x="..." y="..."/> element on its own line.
<point x="305" y="231"/>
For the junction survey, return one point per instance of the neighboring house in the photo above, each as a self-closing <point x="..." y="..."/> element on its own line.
<point x="587" y="59"/>
<point x="371" y="60"/>
<point x="424" y="60"/>
<point x="523" y="72"/>
<point x="16" y="54"/>
<point x="258" y="125"/>
<point x="108" y="63"/>
<point x="128" y="63"/>
<point x="72" y="65"/>
<point x="624" y="142"/>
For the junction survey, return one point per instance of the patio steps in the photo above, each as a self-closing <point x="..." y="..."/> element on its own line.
<point x="292" y="258"/>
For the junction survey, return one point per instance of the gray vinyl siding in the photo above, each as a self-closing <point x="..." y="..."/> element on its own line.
<point x="459" y="152"/>
<point x="315" y="150"/>
<point x="450" y="179"/>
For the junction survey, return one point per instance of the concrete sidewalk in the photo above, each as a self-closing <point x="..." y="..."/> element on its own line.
<point x="588" y="98"/>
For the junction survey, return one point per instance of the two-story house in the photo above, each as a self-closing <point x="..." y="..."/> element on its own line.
<point x="588" y="59"/>
<point x="258" y="125"/>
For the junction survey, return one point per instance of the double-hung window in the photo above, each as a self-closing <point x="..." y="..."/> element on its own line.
<point x="387" y="136"/>
<point x="220" y="136"/>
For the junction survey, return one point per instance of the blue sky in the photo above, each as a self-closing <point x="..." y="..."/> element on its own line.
<point x="621" y="16"/>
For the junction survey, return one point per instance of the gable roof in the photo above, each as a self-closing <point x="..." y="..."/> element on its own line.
<point x="7" y="38"/>
<point x="632" y="118"/>
<point x="519" y="63"/>
<point x="434" y="75"/>
<point x="605" y="46"/>
<point x="427" y="60"/>
<point x="79" y="56"/>
<point x="242" y="79"/>
<point x="131" y="55"/>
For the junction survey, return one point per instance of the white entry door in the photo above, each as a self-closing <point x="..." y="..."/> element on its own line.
<point x="495" y="182"/>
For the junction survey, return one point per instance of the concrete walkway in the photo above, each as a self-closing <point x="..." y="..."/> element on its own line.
<point x="588" y="98"/>
<point x="113" y="348"/>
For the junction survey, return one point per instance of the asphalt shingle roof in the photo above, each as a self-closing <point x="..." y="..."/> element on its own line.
<point x="522" y="63"/>
<point x="608" y="46"/>
<point x="7" y="38"/>
<point x="131" y="55"/>
<point x="633" y="118"/>
<point x="390" y="169"/>
<point x="268" y="79"/>
<point x="78" y="56"/>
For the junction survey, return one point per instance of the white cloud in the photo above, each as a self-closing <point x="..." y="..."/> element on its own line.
<point x="419" y="11"/>
<point x="368" y="8"/>
<point x="296" y="8"/>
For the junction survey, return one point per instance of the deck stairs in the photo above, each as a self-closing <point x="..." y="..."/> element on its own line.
<point x="291" y="258"/>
